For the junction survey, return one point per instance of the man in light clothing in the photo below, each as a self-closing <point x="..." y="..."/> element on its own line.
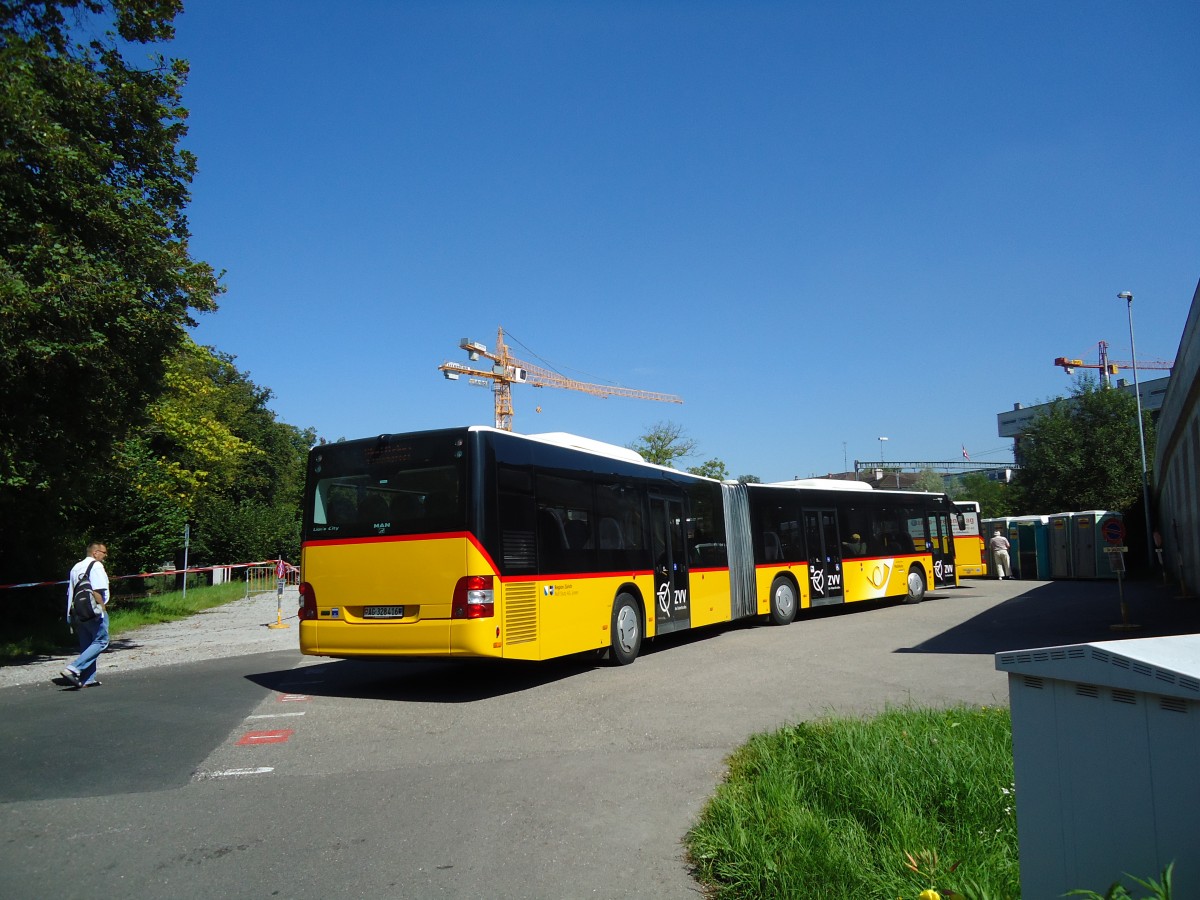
<point x="999" y="545"/>
<point x="92" y="633"/>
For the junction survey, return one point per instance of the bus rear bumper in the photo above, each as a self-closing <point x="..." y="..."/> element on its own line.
<point x="433" y="637"/>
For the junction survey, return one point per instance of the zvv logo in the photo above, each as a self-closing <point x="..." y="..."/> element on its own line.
<point x="818" y="582"/>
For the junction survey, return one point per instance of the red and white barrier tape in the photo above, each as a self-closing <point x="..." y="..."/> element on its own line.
<point x="273" y="563"/>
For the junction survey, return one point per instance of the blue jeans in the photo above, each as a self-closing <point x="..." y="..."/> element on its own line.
<point x="93" y="639"/>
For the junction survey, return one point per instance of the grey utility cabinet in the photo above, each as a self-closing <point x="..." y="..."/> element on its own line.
<point x="1106" y="750"/>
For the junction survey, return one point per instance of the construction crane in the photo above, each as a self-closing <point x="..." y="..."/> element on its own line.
<point x="507" y="370"/>
<point x="1108" y="366"/>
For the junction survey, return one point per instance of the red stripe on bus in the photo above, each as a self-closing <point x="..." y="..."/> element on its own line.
<point x="390" y="538"/>
<point x="570" y="576"/>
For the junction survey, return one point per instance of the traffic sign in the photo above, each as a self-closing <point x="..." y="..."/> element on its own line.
<point x="1114" y="531"/>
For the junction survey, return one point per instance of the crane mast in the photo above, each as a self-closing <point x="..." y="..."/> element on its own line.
<point x="506" y="370"/>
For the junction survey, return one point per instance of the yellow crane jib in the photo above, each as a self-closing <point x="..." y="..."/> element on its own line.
<point x="506" y="370"/>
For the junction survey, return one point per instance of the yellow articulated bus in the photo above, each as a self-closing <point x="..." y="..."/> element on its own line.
<point x="477" y="542"/>
<point x="970" y="554"/>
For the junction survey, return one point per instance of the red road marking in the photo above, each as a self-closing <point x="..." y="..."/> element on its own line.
<point x="266" y="737"/>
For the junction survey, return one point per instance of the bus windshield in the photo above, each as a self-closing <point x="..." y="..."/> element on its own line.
<point x="390" y="485"/>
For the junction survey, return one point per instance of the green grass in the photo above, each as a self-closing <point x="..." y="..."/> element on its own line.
<point x="833" y="808"/>
<point x="49" y="636"/>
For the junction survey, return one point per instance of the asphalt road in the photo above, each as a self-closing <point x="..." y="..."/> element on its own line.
<point x="276" y="775"/>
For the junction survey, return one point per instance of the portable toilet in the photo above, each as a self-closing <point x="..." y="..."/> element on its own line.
<point x="1105" y="741"/>
<point x="1083" y="544"/>
<point x="1060" y="546"/>
<point x="1031" y="549"/>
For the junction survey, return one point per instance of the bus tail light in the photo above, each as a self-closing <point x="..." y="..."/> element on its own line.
<point x="474" y="598"/>
<point x="308" y="602"/>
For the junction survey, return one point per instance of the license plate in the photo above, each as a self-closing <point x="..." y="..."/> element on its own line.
<point x="383" y="612"/>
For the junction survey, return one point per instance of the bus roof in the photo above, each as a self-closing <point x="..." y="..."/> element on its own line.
<point x="576" y="442"/>
<point x="832" y="484"/>
<point x="572" y="442"/>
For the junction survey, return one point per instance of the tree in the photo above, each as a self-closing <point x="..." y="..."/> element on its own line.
<point x="929" y="480"/>
<point x="1083" y="453"/>
<point x="664" y="443"/>
<point x="995" y="499"/>
<point x="96" y="279"/>
<point x="713" y="468"/>
<point x="749" y="479"/>
<point x="214" y="456"/>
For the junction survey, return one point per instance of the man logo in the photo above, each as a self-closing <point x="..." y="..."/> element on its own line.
<point x="548" y="590"/>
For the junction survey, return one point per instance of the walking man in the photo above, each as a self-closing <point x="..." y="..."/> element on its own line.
<point x="92" y="633"/>
<point x="999" y="545"/>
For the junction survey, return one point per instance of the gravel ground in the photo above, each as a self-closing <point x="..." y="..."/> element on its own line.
<point x="232" y="630"/>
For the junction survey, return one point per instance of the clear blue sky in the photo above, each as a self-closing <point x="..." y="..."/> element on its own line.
<point x="818" y="223"/>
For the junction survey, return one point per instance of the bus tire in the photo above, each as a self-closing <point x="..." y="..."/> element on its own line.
<point x="916" y="585"/>
<point x="626" y="630"/>
<point x="784" y="601"/>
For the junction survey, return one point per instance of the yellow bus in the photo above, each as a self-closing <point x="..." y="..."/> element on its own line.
<point x="477" y="542"/>
<point x="970" y="552"/>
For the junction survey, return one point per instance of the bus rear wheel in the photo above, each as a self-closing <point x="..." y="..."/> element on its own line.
<point x="916" y="585"/>
<point x="626" y="630"/>
<point x="783" y="601"/>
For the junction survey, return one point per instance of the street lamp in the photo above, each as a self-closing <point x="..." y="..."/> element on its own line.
<point x="881" y="440"/>
<point x="1137" y="392"/>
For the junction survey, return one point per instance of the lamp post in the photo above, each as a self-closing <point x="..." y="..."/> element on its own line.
<point x="881" y="440"/>
<point x="1137" y="392"/>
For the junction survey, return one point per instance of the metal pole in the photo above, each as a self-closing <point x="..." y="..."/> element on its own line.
<point x="1128" y="298"/>
<point x="187" y="532"/>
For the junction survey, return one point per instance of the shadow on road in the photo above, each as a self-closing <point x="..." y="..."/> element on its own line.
<point x="422" y="680"/>
<point x="1057" y="613"/>
<point x="470" y="680"/>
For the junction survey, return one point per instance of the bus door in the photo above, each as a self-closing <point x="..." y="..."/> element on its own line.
<point x="941" y="539"/>
<point x="672" y="598"/>
<point x="824" y="557"/>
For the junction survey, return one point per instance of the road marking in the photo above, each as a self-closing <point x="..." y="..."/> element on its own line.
<point x="233" y="773"/>
<point x="292" y="698"/>
<point x="275" y="715"/>
<point x="266" y="737"/>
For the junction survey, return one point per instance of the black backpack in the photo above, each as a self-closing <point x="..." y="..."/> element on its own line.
<point x="85" y="602"/>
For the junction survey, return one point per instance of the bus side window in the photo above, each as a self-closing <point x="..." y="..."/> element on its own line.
<point x="552" y="537"/>
<point x="579" y="535"/>
<point x="610" y="534"/>
<point x="771" y="546"/>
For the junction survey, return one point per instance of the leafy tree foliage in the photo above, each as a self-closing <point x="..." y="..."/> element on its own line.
<point x="1083" y="453"/>
<point x="749" y="479"/>
<point x="713" y="468"/>
<point x="929" y="480"/>
<point x="96" y="279"/>
<point x="664" y="443"/>
<point x="996" y="499"/>
<point x="215" y="457"/>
